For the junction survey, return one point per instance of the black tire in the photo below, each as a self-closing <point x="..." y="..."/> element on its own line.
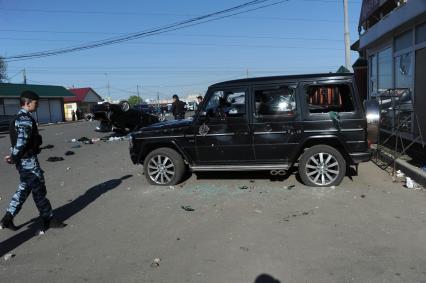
<point x="322" y="166"/>
<point x="164" y="159"/>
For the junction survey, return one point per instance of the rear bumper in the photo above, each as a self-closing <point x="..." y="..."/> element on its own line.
<point x="360" y="157"/>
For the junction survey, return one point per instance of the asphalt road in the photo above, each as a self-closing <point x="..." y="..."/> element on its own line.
<point x="369" y="229"/>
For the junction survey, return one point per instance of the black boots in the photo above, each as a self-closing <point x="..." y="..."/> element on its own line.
<point x="52" y="222"/>
<point x="7" y="222"/>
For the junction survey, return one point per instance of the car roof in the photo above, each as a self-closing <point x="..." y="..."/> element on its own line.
<point x="293" y="78"/>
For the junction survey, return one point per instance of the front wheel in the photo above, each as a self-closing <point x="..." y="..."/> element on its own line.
<point x="322" y="166"/>
<point x="164" y="167"/>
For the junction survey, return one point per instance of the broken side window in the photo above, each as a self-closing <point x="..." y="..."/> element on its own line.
<point x="331" y="97"/>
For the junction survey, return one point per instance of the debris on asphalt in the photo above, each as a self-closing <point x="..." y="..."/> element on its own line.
<point x="399" y="174"/>
<point x="297" y="214"/>
<point x="8" y="256"/>
<point x="116" y="138"/>
<point x="68" y="168"/>
<point x="289" y="187"/>
<point x="156" y="262"/>
<point x="69" y="152"/>
<point x="95" y="140"/>
<point x="251" y="181"/>
<point x="49" y="146"/>
<point x="187" y="208"/>
<point x="76" y="146"/>
<point x="411" y="184"/>
<point x="244" y="249"/>
<point x="55" y="159"/>
<point x="243" y="188"/>
<point x="73" y="140"/>
<point x="62" y="184"/>
<point x="362" y="196"/>
<point x="171" y="187"/>
<point x="84" y="139"/>
<point x="258" y="211"/>
<point x="333" y="187"/>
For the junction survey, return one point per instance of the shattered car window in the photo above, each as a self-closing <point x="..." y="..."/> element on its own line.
<point x="275" y="101"/>
<point x="226" y="104"/>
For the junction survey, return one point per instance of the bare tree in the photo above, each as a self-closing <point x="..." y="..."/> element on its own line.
<point x="3" y="70"/>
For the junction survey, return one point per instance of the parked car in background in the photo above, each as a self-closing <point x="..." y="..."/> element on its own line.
<point x="121" y="116"/>
<point x="5" y="121"/>
<point x="315" y="121"/>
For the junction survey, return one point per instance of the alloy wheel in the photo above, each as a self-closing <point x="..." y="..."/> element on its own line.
<point x="161" y="169"/>
<point x="322" y="168"/>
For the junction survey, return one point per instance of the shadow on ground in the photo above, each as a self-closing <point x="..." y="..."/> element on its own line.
<point x="265" y="278"/>
<point x="63" y="213"/>
<point x="244" y="175"/>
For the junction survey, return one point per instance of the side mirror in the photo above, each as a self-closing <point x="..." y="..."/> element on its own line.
<point x="372" y="112"/>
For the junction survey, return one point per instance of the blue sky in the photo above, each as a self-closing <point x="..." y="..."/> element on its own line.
<point x="296" y="37"/>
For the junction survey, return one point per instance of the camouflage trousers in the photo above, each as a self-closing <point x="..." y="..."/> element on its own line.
<point x="31" y="181"/>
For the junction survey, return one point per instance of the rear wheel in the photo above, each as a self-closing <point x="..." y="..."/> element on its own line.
<point x="164" y="167"/>
<point x="322" y="166"/>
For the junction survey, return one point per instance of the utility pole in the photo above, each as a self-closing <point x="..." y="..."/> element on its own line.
<point x="347" y="39"/>
<point x="24" y="73"/>
<point x="139" y="97"/>
<point x="109" y="94"/>
<point x="158" y="99"/>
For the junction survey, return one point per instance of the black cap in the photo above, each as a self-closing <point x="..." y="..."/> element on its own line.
<point x="31" y="95"/>
<point x="175" y="96"/>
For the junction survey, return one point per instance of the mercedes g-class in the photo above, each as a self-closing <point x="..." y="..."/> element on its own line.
<point x="316" y="122"/>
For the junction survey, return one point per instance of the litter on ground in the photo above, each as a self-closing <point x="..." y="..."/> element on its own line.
<point x="187" y="208"/>
<point x="55" y="159"/>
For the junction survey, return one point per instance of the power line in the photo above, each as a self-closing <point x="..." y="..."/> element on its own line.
<point x="235" y="45"/>
<point x="150" y="68"/>
<point x="171" y="27"/>
<point x="63" y="11"/>
<point x="209" y="36"/>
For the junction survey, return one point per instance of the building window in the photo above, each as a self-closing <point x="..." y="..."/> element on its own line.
<point x="373" y="74"/>
<point x="404" y="41"/>
<point x="421" y="33"/>
<point x="11" y="106"/>
<point x="384" y="76"/>
<point x="1" y="106"/>
<point x="404" y="71"/>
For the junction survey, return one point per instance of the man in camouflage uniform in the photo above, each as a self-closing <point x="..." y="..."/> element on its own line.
<point x="26" y="143"/>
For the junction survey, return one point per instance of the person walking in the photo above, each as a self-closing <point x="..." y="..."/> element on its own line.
<point x="178" y="108"/>
<point x="26" y="142"/>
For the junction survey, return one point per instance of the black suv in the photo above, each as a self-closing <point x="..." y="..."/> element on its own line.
<point x="271" y="123"/>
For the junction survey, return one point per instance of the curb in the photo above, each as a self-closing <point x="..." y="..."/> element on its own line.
<point x="415" y="173"/>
